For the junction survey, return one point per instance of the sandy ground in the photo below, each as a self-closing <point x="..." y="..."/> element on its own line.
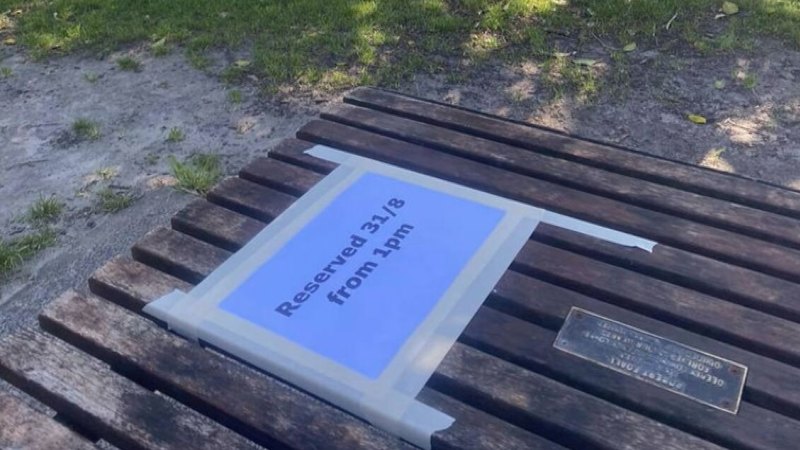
<point x="39" y="156"/>
<point x="753" y="132"/>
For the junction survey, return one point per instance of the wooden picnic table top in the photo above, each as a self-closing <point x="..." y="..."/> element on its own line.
<point x="723" y="279"/>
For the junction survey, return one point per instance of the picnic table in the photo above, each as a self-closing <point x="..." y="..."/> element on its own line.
<point x="722" y="279"/>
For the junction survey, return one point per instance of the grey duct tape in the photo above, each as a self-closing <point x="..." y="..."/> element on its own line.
<point x="560" y="220"/>
<point x="388" y="401"/>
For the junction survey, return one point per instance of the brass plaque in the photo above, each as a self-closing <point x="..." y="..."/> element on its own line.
<point x="686" y="371"/>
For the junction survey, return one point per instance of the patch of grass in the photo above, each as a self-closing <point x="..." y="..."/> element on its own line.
<point x="110" y="201"/>
<point x="563" y="75"/>
<point x="44" y="210"/>
<point x="151" y="159"/>
<point x="175" y="135"/>
<point x="198" y="173"/>
<point x="106" y="173"/>
<point x="346" y="42"/>
<point x="160" y="48"/>
<point x="129" y="64"/>
<point x="750" y="81"/>
<point x="91" y="77"/>
<point x="198" y="60"/>
<point x="86" y="129"/>
<point x="15" y="252"/>
<point x="6" y="72"/>
<point x="235" y="96"/>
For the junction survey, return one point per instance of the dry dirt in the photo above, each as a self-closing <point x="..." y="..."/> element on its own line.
<point x="752" y="131"/>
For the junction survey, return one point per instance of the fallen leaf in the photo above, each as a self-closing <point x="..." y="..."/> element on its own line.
<point x="694" y="118"/>
<point x="630" y="47"/>
<point x="241" y="63"/>
<point x="9" y="41"/>
<point x="585" y="62"/>
<point x="719" y="84"/>
<point x="16" y="12"/>
<point x="719" y="16"/>
<point x="159" y="42"/>
<point x="730" y="8"/>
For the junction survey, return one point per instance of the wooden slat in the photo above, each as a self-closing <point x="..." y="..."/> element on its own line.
<point x="251" y="193"/>
<point x="117" y="276"/>
<point x="23" y="428"/>
<point x="657" y="197"/>
<point x="128" y="281"/>
<point x="745" y="327"/>
<point x="753" y="289"/>
<point x="531" y="346"/>
<point x="215" y="218"/>
<point x="681" y="233"/>
<point x="529" y="399"/>
<point x="153" y="247"/>
<point x="653" y="400"/>
<point x="180" y="255"/>
<point x="108" y="405"/>
<point x="279" y="175"/>
<point x="770" y="384"/>
<point x="474" y="429"/>
<point x="291" y="150"/>
<point x="684" y="176"/>
<point x="259" y="407"/>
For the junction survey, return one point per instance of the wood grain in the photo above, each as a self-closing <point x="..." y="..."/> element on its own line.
<point x="671" y="173"/>
<point x="501" y="339"/>
<point x="257" y="406"/>
<point x="68" y="327"/>
<point x="23" y="428"/>
<point x="709" y="210"/>
<point x="110" y="406"/>
<point x="180" y="256"/>
<point x="674" y="231"/>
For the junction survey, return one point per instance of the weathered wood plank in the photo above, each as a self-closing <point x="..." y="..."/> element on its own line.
<point x="291" y="150"/>
<point x="109" y="405"/>
<point x="528" y="399"/>
<point x="475" y="429"/>
<point x="657" y="197"/>
<point x="259" y="407"/>
<point x="118" y="271"/>
<point x="153" y="247"/>
<point x="770" y="384"/>
<point x="23" y="428"/>
<point x="753" y="289"/>
<point x="671" y="173"/>
<point x="255" y="196"/>
<point x="214" y="219"/>
<point x="663" y="404"/>
<point x="743" y="327"/>
<point x="279" y="175"/>
<point x="673" y="437"/>
<point x="128" y="282"/>
<point x="531" y="346"/>
<point x="681" y="233"/>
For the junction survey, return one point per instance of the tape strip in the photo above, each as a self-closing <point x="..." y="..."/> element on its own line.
<point x="600" y="232"/>
<point x="559" y="220"/>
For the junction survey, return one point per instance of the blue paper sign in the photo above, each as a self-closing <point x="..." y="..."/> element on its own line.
<point x="354" y="283"/>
